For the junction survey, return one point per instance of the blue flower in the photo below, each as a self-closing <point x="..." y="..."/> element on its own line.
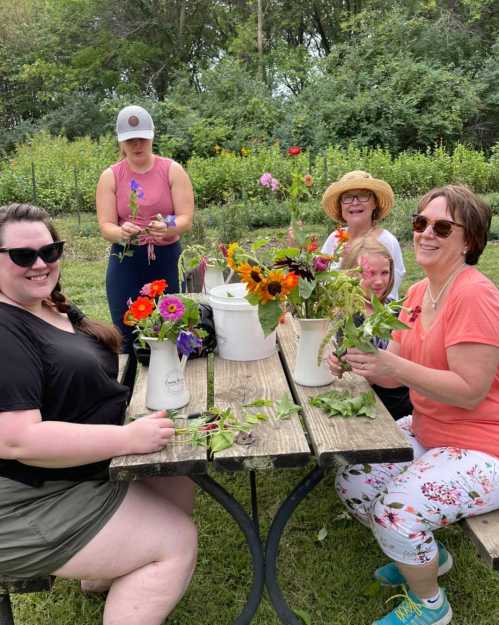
<point x="134" y="185"/>
<point x="170" y="221"/>
<point x="187" y="343"/>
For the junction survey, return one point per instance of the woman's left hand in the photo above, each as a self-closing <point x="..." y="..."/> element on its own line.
<point x="367" y="364"/>
<point x="158" y="230"/>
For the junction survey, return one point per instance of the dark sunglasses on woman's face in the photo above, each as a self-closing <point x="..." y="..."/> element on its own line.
<point x="26" y="256"/>
<point x="441" y="227"/>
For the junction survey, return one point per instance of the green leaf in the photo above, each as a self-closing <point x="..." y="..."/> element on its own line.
<point x="221" y="440"/>
<point x="322" y="534"/>
<point x="269" y="314"/>
<point x="305" y="616"/>
<point x="285" y="407"/>
<point x="258" y="403"/>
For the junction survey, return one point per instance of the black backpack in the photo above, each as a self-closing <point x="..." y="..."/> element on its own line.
<point x="209" y="341"/>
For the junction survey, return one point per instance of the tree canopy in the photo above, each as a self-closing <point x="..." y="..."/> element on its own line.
<point x="400" y="74"/>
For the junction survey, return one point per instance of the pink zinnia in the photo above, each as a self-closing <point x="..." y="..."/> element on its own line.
<point x="171" y="308"/>
<point x="266" y="179"/>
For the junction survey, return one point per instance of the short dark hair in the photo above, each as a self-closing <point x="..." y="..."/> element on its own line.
<point x="468" y="208"/>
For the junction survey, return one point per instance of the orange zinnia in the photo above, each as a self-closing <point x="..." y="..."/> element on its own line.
<point x="341" y="235"/>
<point x="141" y="308"/>
<point x="158" y="287"/>
<point x="129" y="319"/>
<point x="308" y="180"/>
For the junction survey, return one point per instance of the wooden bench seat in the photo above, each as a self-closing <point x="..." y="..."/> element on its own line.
<point x="484" y="533"/>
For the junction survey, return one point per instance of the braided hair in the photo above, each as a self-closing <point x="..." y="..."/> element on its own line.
<point x="103" y="332"/>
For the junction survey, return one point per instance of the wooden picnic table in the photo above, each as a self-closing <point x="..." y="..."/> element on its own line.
<point x="289" y="443"/>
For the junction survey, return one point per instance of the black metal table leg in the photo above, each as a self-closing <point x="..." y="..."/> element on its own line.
<point x="250" y="530"/>
<point x="6" y="616"/>
<point x="254" y="501"/>
<point x="283" y="515"/>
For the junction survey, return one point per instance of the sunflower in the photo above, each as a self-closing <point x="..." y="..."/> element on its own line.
<point x="251" y="275"/>
<point x="232" y="250"/>
<point x="275" y="286"/>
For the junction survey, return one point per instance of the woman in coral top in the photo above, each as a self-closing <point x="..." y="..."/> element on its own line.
<point x="145" y="245"/>
<point x="449" y="359"/>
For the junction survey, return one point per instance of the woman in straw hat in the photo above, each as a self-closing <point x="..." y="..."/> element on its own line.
<point x="361" y="201"/>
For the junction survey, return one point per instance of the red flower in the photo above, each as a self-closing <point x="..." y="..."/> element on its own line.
<point x="141" y="308"/>
<point x="312" y="246"/>
<point x="415" y="312"/>
<point x="294" y="150"/>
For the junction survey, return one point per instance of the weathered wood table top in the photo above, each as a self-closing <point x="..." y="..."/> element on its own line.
<point x="288" y="443"/>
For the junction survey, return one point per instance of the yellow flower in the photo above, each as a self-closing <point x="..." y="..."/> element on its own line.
<point x="274" y="287"/>
<point x="232" y="250"/>
<point x="251" y="275"/>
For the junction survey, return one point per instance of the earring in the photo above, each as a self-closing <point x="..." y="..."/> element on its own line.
<point x="464" y="252"/>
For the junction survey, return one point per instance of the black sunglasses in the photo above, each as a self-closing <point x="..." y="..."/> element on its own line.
<point x="26" y="256"/>
<point x="441" y="227"/>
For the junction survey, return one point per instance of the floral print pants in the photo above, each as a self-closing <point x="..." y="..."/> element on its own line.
<point x="404" y="502"/>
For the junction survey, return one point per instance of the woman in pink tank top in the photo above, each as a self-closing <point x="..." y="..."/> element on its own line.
<point x="144" y="204"/>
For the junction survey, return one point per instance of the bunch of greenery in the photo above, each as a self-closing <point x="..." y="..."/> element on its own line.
<point x="343" y="404"/>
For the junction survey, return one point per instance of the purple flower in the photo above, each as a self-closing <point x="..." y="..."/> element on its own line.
<point x="266" y="179"/>
<point x="274" y="184"/>
<point x="134" y="185"/>
<point x="171" y="308"/>
<point x="170" y="221"/>
<point x="187" y="342"/>
<point x="320" y="263"/>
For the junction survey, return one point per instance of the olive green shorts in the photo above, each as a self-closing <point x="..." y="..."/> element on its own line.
<point x="42" y="528"/>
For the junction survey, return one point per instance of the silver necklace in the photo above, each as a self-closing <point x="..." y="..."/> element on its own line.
<point x="435" y="300"/>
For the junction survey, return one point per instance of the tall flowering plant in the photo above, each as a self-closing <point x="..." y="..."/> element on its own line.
<point x="297" y="277"/>
<point x="174" y="317"/>
<point x="298" y="188"/>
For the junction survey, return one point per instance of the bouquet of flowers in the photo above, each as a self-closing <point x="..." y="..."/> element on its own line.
<point x="174" y="317"/>
<point x="136" y="194"/>
<point x="298" y="276"/>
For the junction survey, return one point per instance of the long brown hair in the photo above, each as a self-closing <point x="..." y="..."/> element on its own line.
<point x="103" y="332"/>
<point x="368" y="244"/>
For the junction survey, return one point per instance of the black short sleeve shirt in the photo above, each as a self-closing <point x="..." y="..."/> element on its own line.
<point x="67" y="376"/>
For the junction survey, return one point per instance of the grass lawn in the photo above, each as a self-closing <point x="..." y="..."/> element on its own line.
<point x="328" y="580"/>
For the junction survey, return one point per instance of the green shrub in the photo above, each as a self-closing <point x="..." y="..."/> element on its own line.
<point x="44" y="172"/>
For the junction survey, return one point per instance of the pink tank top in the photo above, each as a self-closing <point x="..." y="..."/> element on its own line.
<point x="153" y="192"/>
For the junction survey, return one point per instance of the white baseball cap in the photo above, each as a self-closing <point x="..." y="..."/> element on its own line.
<point x="134" y="122"/>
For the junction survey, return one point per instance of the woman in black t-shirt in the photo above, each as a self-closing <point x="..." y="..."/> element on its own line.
<point x="61" y="409"/>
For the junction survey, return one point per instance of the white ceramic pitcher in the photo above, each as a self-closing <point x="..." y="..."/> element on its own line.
<point x="166" y="388"/>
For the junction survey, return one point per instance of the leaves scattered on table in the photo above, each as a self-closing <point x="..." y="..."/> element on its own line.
<point x="219" y="429"/>
<point x="344" y="404"/>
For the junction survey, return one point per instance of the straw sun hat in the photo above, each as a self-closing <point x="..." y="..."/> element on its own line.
<point x="357" y="180"/>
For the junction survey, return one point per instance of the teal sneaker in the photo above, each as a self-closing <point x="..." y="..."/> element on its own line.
<point x="413" y="612"/>
<point x="389" y="575"/>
